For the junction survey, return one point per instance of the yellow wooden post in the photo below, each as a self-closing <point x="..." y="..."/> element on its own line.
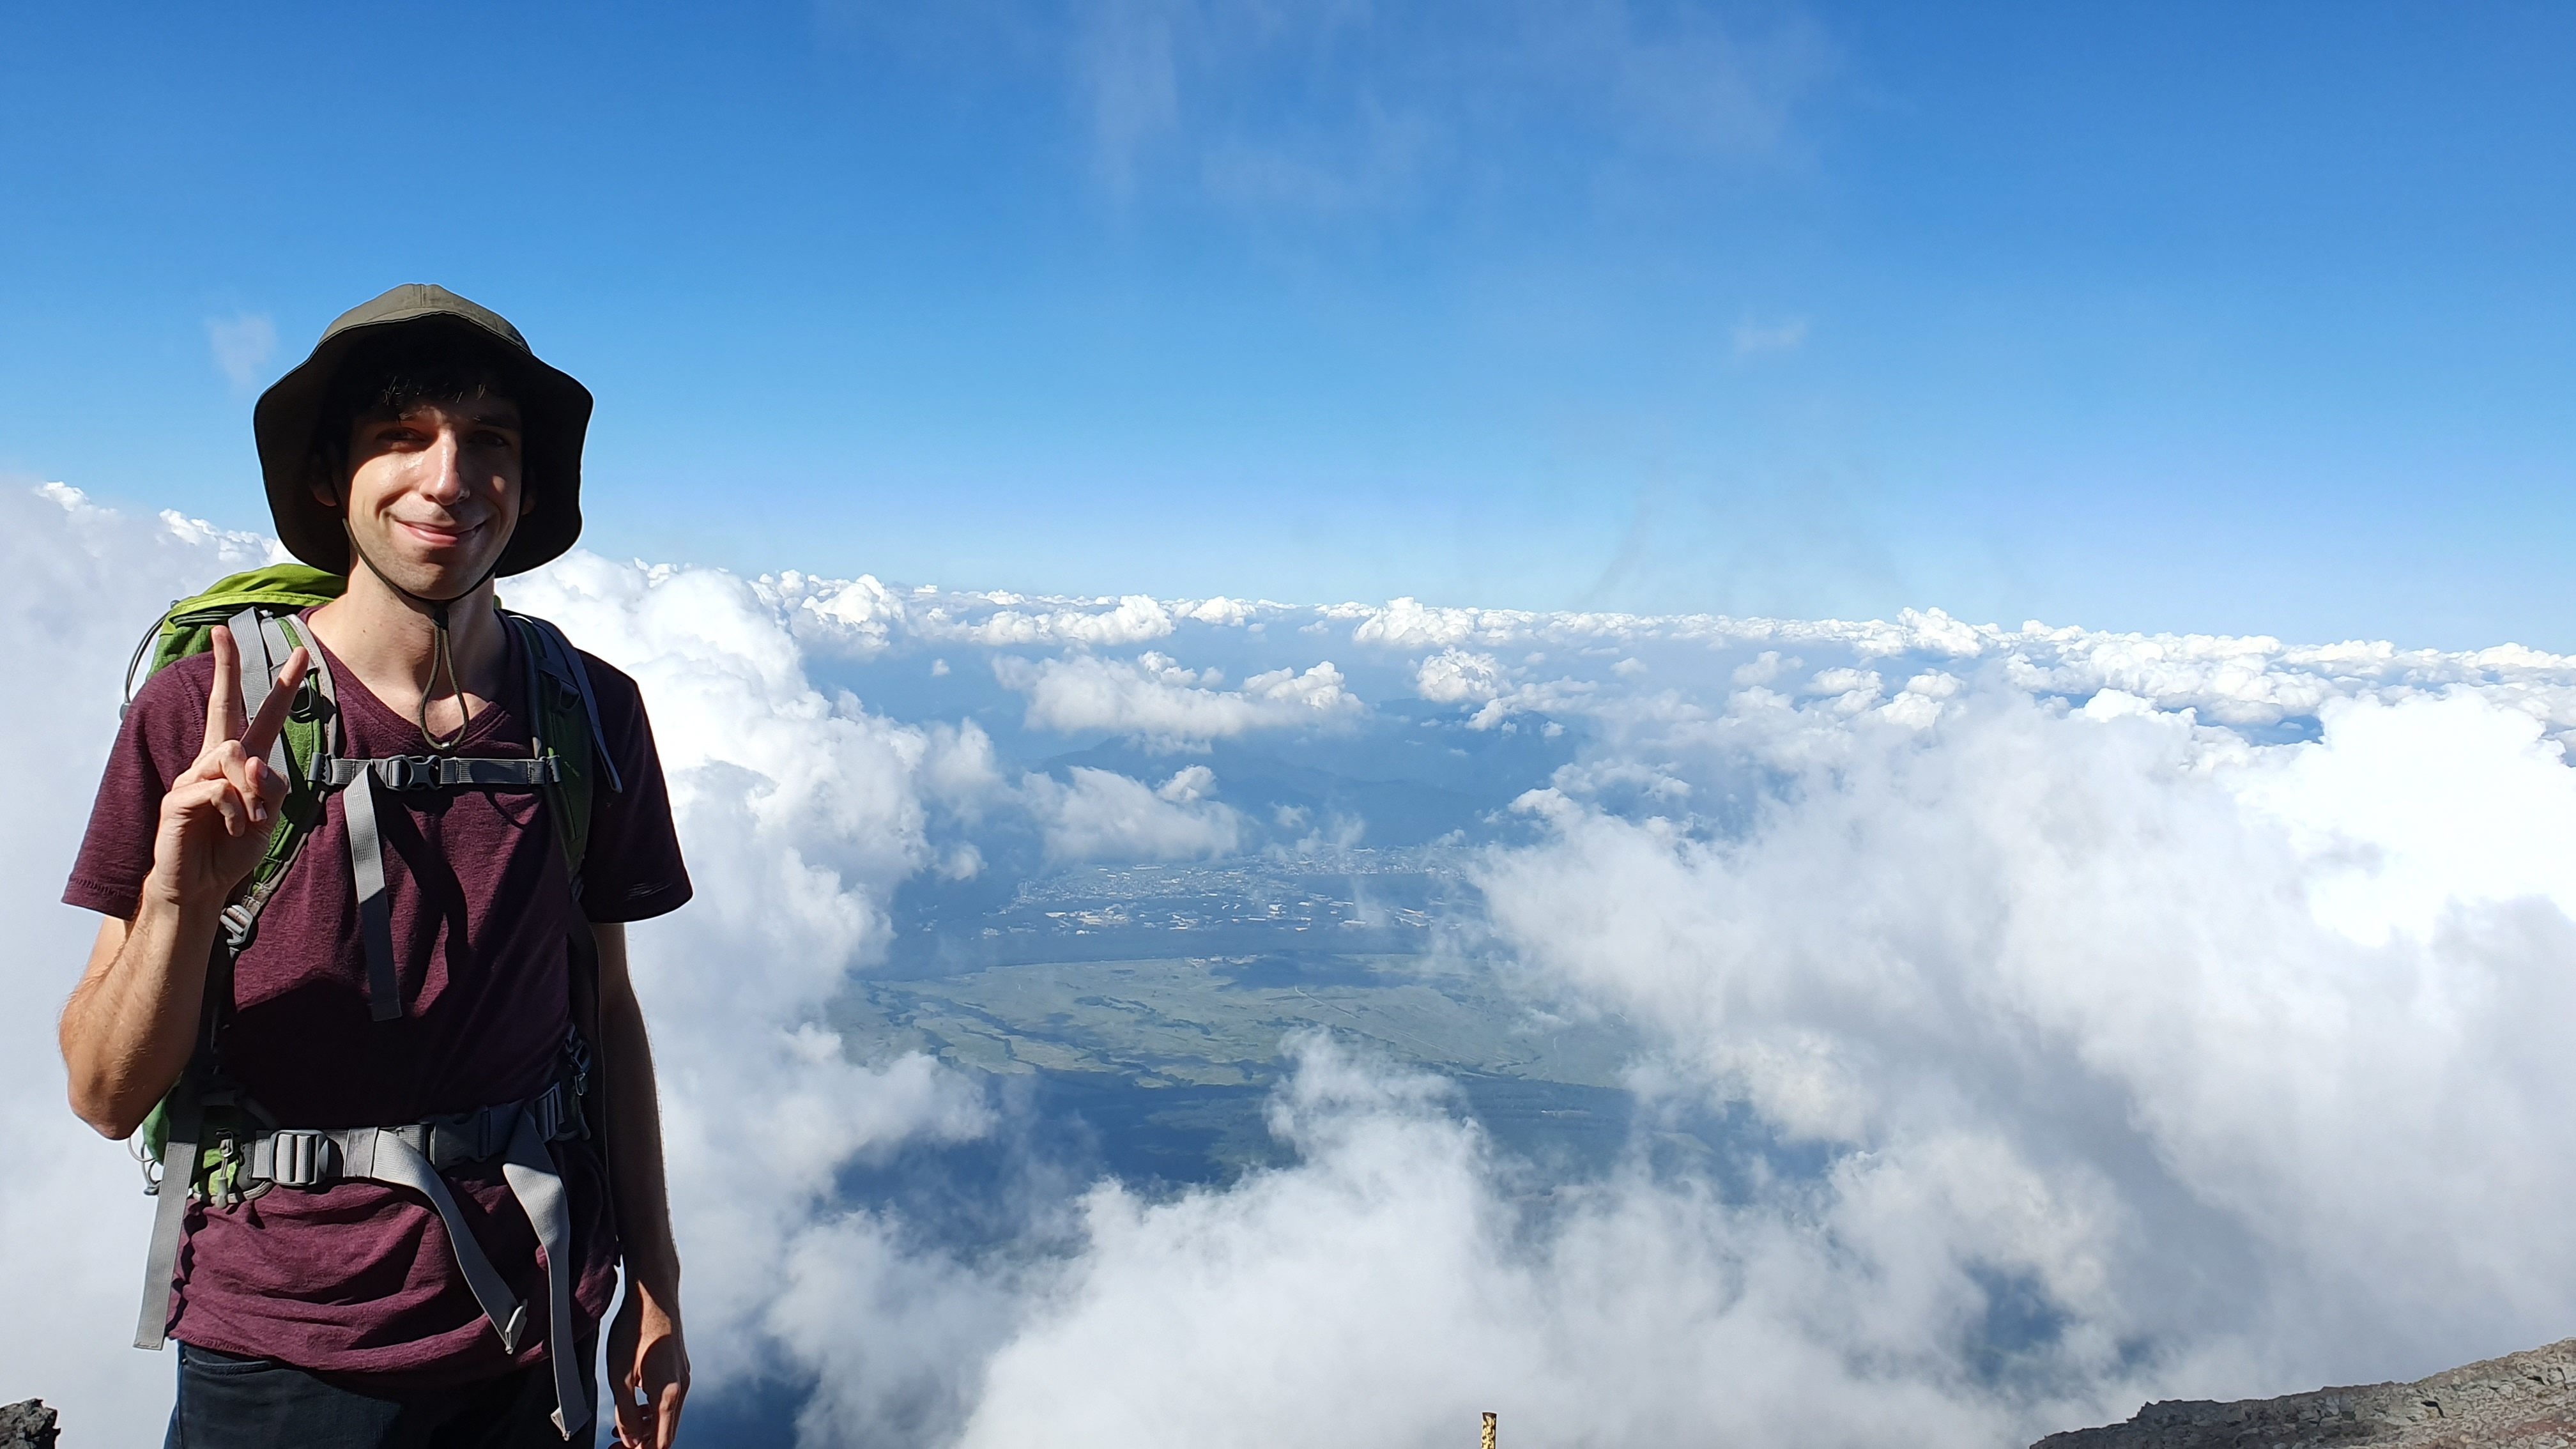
<point x="1489" y="1433"/>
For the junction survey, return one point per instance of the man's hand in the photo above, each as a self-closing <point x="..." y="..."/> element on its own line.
<point x="648" y="1367"/>
<point x="217" y="815"/>
<point x="131" y="1022"/>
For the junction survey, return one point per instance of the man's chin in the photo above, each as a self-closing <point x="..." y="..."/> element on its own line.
<point x="441" y="570"/>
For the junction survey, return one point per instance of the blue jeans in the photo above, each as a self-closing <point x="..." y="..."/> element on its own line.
<point x="229" y="1402"/>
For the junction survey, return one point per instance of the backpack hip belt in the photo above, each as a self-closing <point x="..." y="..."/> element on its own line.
<point x="414" y="1156"/>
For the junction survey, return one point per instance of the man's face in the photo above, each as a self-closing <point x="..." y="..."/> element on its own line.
<point x="433" y="495"/>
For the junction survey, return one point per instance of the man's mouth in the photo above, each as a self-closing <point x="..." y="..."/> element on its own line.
<point x="438" y="536"/>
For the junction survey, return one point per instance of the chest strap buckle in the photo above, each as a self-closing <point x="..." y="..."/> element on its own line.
<point x="409" y="772"/>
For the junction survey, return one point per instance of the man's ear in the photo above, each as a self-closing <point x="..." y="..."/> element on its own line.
<point x="321" y="482"/>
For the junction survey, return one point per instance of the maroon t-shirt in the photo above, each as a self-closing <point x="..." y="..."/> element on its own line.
<point x="358" y="1278"/>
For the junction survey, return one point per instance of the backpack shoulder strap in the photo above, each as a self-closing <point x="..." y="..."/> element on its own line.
<point x="564" y="662"/>
<point x="301" y="756"/>
<point x="564" y="723"/>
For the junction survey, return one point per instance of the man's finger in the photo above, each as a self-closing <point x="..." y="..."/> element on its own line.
<point x="634" y="1424"/>
<point x="262" y="733"/>
<point x="251" y="779"/>
<point x="215" y="796"/>
<point x="223" y="692"/>
<point x="669" y="1414"/>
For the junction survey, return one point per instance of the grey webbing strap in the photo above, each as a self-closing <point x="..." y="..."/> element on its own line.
<point x="186" y="1121"/>
<point x="382" y="1155"/>
<point x="261" y="653"/>
<point x="436" y="772"/>
<point x="530" y="1171"/>
<point x="375" y="911"/>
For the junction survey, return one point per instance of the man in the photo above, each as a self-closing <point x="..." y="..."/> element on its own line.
<point x="422" y="976"/>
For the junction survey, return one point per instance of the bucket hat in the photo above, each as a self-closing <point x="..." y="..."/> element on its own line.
<point x="554" y="414"/>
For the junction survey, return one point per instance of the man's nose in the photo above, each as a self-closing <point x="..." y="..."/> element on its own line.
<point x="444" y="461"/>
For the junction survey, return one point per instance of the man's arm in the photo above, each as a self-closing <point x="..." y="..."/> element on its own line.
<point x="131" y="1022"/>
<point x="128" y="1029"/>
<point x="646" y="1354"/>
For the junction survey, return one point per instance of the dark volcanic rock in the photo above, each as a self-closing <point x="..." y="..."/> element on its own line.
<point x="29" y="1425"/>
<point x="2520" y="1400"/>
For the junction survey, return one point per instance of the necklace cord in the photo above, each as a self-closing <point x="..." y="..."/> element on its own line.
<point x="442" y="655"/>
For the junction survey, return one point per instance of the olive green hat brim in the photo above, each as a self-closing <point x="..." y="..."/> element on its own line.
<point x="554" y="411"/>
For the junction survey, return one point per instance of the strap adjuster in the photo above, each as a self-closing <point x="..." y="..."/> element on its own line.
<point x="408" y="772"/>
<point x="237" y="920"/>
<point x="299" y="1157"/>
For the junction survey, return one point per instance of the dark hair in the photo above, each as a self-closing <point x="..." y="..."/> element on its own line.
<point x="390" y="377"/>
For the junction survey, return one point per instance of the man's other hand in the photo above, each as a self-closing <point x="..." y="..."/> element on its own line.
<point x="648" y="1367"/>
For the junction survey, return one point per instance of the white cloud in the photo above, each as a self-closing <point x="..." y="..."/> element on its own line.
<point x="2103" y="1002"/>
<point x="1100" y="814"/>
<point x="1154" y="698"/>
<point x="1387" y="1288"/>
<point x="1453" y="676"/>
<point x="1134" y="619"/>
<point x="1411" y="624"/>
<point x="1222" y="610"/>
<point x="2423" y="807"/>
<point x="863" y="613"/>
<point x="242" y="345"/>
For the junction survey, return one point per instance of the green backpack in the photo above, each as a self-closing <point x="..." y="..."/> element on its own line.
<point x="204" y="1112"/>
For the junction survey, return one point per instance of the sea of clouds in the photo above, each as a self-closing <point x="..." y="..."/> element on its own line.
<point x="2102" y="1017"/>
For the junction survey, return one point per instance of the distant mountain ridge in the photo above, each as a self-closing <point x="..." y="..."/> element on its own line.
<point x="2521" y="1400"/>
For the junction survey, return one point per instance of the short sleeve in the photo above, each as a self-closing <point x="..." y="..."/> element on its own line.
<point x="155" y="745"/>
<point x="631" y="870"/>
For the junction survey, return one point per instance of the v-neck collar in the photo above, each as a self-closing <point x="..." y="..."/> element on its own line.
<point x="501" y="708"/>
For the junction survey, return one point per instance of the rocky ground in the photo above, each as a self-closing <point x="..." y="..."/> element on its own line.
<point x="2521" y="1400"/>
<point x="28" y="1425"/>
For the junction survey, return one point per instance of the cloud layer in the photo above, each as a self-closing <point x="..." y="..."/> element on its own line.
<point x="2032" y="1021"/>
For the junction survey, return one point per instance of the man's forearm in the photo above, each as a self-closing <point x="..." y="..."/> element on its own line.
<point x="130" y="1025"/>
<point x="635" y="1127"/>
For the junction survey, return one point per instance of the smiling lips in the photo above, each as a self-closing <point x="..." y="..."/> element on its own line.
<point x="439" y="537"/>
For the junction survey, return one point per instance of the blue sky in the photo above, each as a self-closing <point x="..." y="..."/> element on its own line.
<point x="2244" y="318"/>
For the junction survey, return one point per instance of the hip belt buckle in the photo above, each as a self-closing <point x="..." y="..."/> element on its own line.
<point x="301" y="1158"/>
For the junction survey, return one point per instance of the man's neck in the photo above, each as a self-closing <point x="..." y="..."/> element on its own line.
<point x="391" y="643"/>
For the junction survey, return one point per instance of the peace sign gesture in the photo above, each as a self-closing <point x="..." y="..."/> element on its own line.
<point x="216" y="817"/>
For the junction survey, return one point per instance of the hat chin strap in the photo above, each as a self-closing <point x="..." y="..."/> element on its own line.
<point x="442" y="659"/>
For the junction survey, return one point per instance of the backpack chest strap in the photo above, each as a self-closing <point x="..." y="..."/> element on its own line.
<point x="439" y="772"/>
<point x="266" y="642"/>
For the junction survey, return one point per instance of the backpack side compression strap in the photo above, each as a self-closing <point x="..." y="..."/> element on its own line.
<point x="185" y="1123"/>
